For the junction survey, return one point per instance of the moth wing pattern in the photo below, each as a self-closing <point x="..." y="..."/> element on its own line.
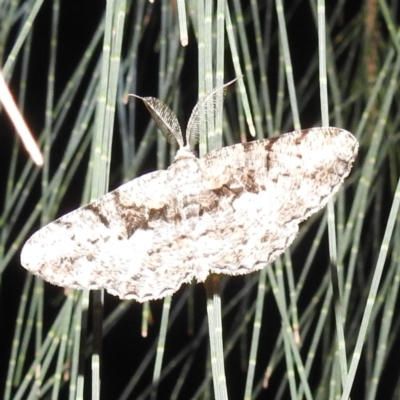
<point x="232" y="211"/>
<point x="106" y="244"/>
<point x="271" y="186"/>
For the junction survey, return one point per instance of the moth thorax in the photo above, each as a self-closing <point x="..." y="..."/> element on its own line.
<point x="184" y="153"/>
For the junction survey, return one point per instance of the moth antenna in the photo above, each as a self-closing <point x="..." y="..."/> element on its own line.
<point x="209" y="100"/>
<point x="165" y="119"/>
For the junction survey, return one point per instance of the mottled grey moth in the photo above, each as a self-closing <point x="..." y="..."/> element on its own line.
<point x="232" y="212"/>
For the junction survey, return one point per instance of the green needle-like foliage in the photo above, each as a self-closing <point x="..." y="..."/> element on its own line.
<point x="323" y="321"/>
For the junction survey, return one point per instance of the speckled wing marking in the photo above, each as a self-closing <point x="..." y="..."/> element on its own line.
<point x="233" y="211"/>
<point x="266" y="188"/>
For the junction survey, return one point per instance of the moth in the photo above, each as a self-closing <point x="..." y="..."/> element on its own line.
<point x="231" y="212"/>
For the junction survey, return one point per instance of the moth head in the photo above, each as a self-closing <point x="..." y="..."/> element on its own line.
<point x="185" y="152"/>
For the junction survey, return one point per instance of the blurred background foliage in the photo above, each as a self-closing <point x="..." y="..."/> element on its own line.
<point x="323" y="321"/>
